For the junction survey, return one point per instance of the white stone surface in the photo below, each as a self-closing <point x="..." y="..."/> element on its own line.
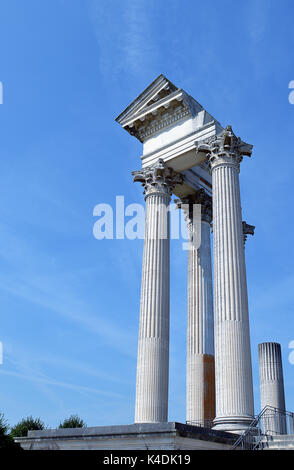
<point x="278" y="442"/>
<point x="153" y="342"/>
<point x="272" y="387"/>
<point x="164" y="436"/>
<point x="233" y="370"/>
<point x="170" y="124"/>
<point x="200" y="388"/>
<point x="175" y="128"/>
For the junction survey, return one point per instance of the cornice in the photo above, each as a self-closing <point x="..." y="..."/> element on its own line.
<point x="158" y="107"/>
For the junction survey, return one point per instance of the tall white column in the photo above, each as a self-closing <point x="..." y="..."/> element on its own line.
<point x="153" y="343"/>
<point x="200" y="380"/>
<point x="272" y="387"/>
<point x="233" y="371"/>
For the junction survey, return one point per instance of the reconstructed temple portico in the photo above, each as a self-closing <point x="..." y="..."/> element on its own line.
<point x="186" y="152"/>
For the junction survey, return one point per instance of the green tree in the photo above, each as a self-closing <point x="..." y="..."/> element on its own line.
<point x="73" y="422"/>
<point x="6" y="441"/>
<point x="26" y="424"/>
<point x="3" y="425"/>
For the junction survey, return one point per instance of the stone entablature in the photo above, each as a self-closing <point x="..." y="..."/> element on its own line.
<point x="171" y="124"/>
<point x="158" y="107"/>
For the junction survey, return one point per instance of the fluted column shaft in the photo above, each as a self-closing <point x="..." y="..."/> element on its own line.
<point x="233" y="371"/>
<point x="200" y="380"/>
<point x="153" y="343"/>
<point x="234" y="392"/>
<point x="272" y="387"/>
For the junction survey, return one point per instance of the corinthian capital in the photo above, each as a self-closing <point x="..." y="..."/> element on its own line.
<point x="247" y="230"/>
<point x="225" y="149"/>
<point x="158" y="178"/>
<point x="199" y="197"/>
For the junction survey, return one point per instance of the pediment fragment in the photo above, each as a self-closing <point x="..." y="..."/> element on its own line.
<point x="159" y="106"/>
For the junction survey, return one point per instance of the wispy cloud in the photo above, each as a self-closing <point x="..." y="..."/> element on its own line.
<point x="50" y="381"/>
<point x="27" y="276"/>
<point x="257" y="18"/>
<point x="70" y="307"/>
<point x="23" y="363"/>
<point x="124" y="32"/>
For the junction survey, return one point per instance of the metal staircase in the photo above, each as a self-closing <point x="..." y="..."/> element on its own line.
<point x="270" y="422"/>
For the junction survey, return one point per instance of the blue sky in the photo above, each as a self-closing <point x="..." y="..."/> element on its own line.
<point x="70" y="303"/>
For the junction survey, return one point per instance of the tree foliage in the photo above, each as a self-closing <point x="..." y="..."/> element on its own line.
<point x="73" y="422"/>
<point x="6" y="441"/>
<point x="26" y="424"/>
<point x="3" y="425"/>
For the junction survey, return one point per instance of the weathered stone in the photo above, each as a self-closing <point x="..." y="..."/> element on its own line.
<point x="163" y="436"/>
<point x="153" y="344"/>
<point x="200" y="381"/>
<point x="272" y="387"/>
<point x="233" y="370"/>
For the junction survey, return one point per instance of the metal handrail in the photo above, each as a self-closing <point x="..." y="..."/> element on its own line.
<point x="202" y="424"/>
<point x="254" y="432"/>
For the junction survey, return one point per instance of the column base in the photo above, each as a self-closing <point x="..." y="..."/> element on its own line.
<point x="150" y="422"/>
<point x="235" y="424"/>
